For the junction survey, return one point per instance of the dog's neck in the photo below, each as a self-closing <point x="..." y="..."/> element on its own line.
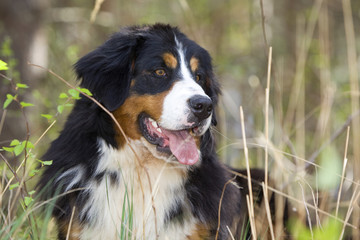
<point x="148" y="192"/>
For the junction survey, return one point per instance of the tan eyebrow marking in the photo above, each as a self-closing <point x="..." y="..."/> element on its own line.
<point x="194" y="64"/>
<point x="170" y="60"/>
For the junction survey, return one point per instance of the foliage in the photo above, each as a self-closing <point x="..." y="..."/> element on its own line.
<point x="27" y="218"/>
<point x="330" y="230"/>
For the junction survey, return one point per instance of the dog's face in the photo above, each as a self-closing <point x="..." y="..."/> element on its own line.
<point x="160" y="87"/>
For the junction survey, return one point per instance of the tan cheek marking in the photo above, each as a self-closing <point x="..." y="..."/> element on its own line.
<point x="75" y="229"/>
<point x="197" y="141"/>
<point x="127" y="114"/>
<point x="132" y="83"/>
<point x="194" y="64"/>
<point x="200" y="233"/>
<point x="170" y="60"/>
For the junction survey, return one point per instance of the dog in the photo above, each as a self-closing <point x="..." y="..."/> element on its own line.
<point x="157" y="176"/>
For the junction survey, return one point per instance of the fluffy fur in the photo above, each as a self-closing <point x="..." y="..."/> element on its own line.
<point x="161" y="89"/>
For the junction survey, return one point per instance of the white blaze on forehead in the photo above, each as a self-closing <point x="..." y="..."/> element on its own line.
<point x="186" y="76"/>
<point x="184" y="70"/>
<point x="175" y="108"/>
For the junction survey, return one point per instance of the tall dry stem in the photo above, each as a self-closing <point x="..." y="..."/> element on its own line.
<point x="355" y="97"/>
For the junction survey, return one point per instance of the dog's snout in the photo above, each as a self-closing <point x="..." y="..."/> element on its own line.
<point x="201" y="106"/>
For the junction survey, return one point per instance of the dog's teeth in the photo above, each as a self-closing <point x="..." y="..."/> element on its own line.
<point x="159" y="130"/>
<point x="153" y="123"/>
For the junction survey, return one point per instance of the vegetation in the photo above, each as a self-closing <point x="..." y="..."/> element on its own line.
<point x="300" y="106"/>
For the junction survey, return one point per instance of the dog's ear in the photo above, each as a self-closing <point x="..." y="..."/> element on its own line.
<point x="213" y="91"/>
<point x="214" y="96"/>
<point x="107" y="71"/>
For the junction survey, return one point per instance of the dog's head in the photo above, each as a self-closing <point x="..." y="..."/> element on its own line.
<point x="159" y="85"/>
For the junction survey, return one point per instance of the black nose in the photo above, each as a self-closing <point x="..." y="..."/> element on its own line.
<point x="200" y="106"/>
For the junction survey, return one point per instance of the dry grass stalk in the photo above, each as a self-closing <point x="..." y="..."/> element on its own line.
<point x="251" y="217"/>
<point x="219" y="207"/>
<point x="267" y="93"/>
<point x="300" y="64"/>
<point x="291" y="198"/>
<point x="95" y="10"/>
<point x="70" y="223"/>
<point x="350" y="209"/>
<point x="343" y="172"/>
<point x="307" y="210"/>
<point x="268" y="213"/>
<point x="355" y="98"/>
<point x="251" y="203"/>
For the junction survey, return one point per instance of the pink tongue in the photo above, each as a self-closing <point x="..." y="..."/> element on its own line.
<point x="183" y="146"/>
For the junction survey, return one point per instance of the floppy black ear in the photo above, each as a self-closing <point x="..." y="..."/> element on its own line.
<point x="213" y="91"/>
<point x="106" y="71"/>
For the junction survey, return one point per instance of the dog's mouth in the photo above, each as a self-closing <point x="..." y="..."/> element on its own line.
<point x="180" y="143"/>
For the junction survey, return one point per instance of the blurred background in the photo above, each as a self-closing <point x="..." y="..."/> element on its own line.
<point x="314" y="85"/>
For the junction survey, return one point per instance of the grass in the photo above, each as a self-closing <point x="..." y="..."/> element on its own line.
<point x="312" y="155"/>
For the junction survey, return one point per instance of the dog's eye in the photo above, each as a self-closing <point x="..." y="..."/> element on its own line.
<point x="160" y="72"/>
<point x="198" y="77"/>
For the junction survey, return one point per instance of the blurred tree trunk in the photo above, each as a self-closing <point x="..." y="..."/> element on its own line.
<point x="23" y="22"/>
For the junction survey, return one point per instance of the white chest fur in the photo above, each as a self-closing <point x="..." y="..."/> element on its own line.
<point x="133" y="199"/>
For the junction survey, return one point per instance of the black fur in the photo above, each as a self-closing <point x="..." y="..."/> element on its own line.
<point x="107" y="72"/>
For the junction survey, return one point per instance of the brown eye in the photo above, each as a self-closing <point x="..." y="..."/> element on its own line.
<point x="198" y="77"/>
<point x="160" y="72"/>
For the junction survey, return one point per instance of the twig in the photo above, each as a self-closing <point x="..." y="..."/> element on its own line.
<point x="2" y="121"/>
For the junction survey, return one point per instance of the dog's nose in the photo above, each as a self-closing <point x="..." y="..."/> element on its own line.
<point x="201" y="106"/>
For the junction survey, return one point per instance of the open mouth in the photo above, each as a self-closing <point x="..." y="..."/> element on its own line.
<point x="180" y="143"/>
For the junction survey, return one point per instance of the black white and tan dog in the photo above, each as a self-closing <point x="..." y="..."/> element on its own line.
<point x="162" y="180"/>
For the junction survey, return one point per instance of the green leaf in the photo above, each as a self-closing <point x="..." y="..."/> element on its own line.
<point x="18" y="149"/>
<point x="28" y="144"/>
<point x="14" y="142"/>
<point x="12" y="186"/>
<point x="63" y="95"/>
<point x="68" y="105"/>
<point x="9" y="99"/>
<point x="47" y="116"/>
<point x="8" y="149"/>
<point x="3" y="65"/>
<point x="46" y="163"/>
<point x="22" y="85"/>
<point x="33" y="172"/>
<point x="32" y="192"/>
<point x="85" y="90"/>
<point x="25" y="104"/>
<point x="28" y="200"/>
<point x="60" y="108"/>
<point x="9" y="96"/>
<point x="75" y="94"/>
<point x="7" y="102"/>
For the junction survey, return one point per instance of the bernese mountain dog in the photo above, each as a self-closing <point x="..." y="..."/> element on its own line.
<point x="159" y="177"/>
